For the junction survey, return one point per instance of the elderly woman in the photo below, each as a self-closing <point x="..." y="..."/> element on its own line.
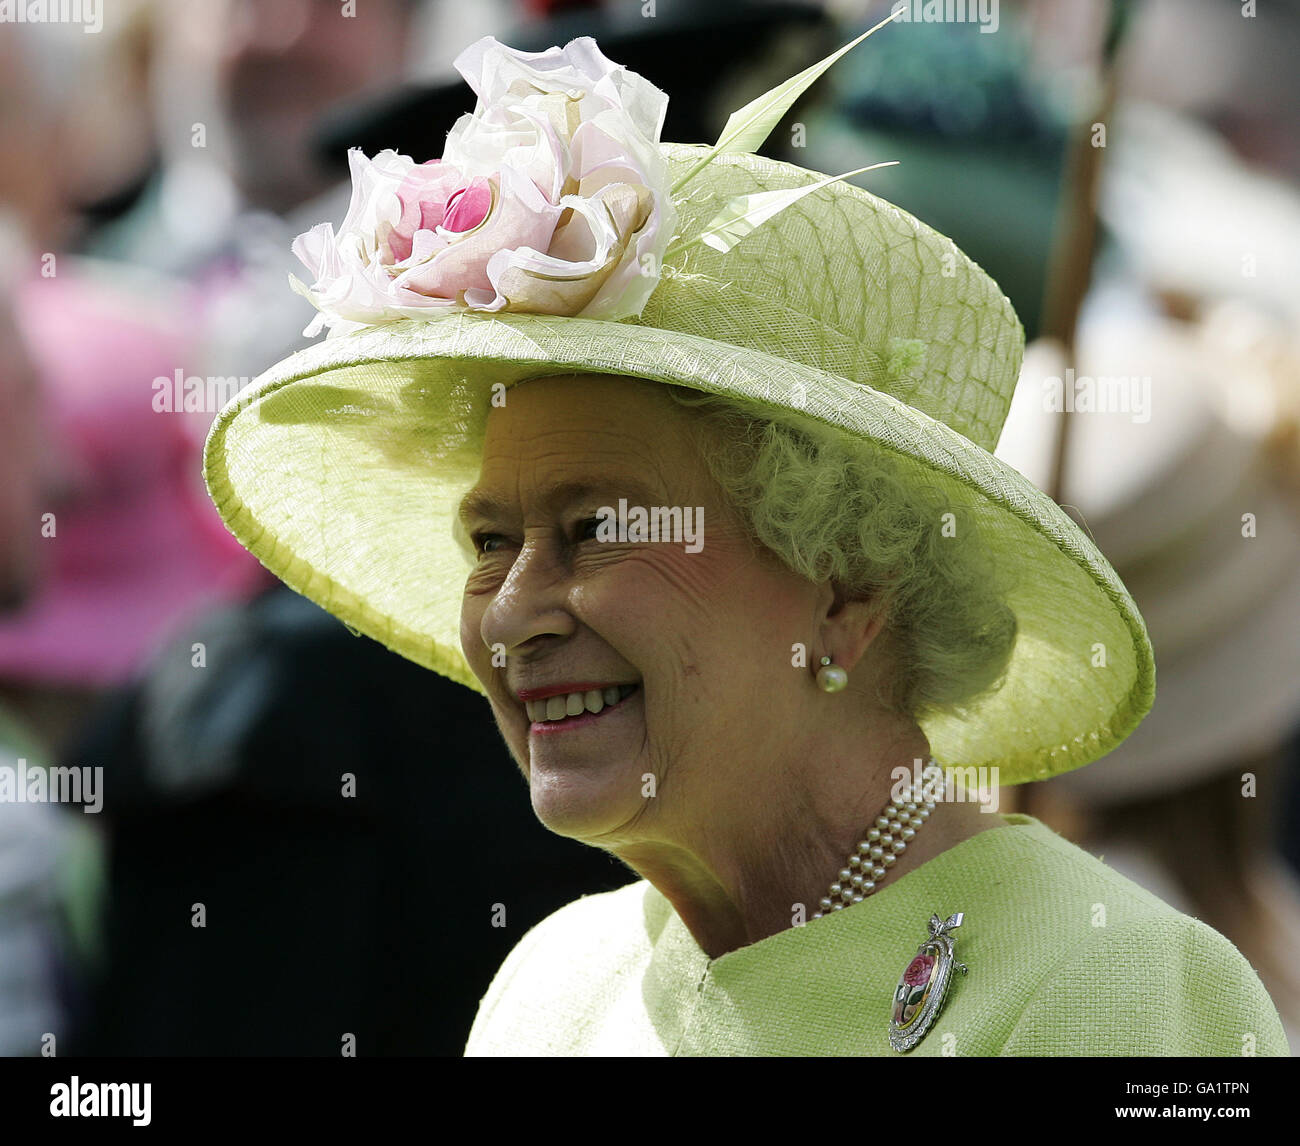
<point x="681" y="457"/>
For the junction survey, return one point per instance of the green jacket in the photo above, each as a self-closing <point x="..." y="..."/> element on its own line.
<point x="1065" y="957"/>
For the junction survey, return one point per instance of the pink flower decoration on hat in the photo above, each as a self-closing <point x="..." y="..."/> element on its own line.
<point x="428" y="205"/>
<point x="551" y="197"/>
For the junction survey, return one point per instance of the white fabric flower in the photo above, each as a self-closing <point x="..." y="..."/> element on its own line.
<point x="551" y="197"/>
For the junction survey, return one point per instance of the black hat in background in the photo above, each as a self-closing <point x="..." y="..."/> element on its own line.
<point x="686" y="49"/>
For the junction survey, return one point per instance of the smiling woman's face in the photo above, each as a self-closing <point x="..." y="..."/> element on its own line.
<point x="704" y="636"/>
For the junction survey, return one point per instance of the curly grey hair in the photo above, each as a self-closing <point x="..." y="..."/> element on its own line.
<point x="832" y="507"/>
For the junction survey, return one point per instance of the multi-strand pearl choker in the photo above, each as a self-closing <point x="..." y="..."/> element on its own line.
<point x="883" y="843"/>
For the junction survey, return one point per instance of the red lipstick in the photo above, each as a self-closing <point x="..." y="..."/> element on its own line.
<point x="526" y="694"/>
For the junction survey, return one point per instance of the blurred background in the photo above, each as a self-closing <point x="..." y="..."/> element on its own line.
<point x="1127" y="170"/>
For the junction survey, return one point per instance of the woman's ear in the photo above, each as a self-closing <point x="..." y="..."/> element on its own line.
<point x="852" y="623"/>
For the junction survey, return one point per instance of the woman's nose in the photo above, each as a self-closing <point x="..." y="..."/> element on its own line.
<point x="531" y="603"/>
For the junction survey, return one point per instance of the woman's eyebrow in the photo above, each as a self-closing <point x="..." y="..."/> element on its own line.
<point x="482" y="503"/>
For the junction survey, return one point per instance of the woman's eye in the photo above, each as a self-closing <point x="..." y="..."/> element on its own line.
<point x="484" y="543"/>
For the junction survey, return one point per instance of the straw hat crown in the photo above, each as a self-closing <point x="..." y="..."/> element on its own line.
<point x="848" y="284"/>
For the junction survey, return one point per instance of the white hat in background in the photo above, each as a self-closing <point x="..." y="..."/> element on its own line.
<point x="1174" y="465"/>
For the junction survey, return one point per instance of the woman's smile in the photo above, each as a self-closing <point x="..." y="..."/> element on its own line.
<point x="565" y="711"/>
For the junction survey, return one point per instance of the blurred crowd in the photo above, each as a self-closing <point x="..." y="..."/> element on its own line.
<point x="222" y="898"/>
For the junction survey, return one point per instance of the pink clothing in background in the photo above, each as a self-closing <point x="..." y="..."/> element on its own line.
<point x="137" y="548"/>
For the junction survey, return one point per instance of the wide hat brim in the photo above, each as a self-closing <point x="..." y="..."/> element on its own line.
<point x="341" y="468"/>
<point x="1163" y="494"/>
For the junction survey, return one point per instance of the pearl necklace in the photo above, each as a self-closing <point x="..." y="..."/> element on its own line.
<point x="882" y="844"/>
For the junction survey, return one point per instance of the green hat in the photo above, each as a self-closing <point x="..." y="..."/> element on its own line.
<point x="341" y="467"/>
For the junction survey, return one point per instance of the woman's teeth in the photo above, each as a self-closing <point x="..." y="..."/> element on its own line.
<point x="574" y="703"/>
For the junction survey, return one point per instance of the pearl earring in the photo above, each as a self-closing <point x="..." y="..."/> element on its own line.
<point x="831" y="678"/>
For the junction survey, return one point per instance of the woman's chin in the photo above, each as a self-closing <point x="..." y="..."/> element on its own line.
<point x="584" y="808"/>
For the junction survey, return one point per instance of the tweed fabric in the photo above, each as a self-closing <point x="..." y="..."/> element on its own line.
<point x="341" y="467"/>
<point x="1066" y="958"/>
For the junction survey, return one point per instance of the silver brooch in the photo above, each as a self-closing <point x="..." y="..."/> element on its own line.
<point x="924" y="983"/>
